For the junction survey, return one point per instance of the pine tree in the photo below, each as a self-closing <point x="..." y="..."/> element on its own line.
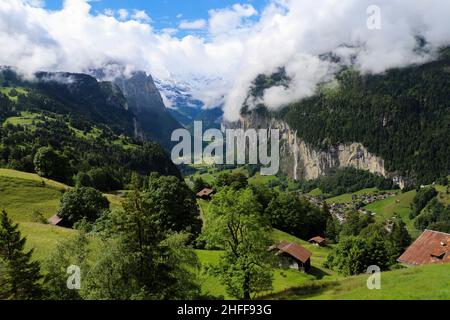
<point x="19" y="276"/>
<point x="400" y="238"/>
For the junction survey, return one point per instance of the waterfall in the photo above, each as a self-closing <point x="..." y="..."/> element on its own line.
<point x="295" y="156"/>
<point x="135" y="128"/>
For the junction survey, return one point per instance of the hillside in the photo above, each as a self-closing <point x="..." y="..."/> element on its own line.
<point x="129" y="105"/>
<point x="401" y="116"/>
<point x="395" y="124"/>
<point x="28" y="198"/>
<point x="84" y="121"/>
<point x="283" y="278"/>
<point x="416" y="283"/>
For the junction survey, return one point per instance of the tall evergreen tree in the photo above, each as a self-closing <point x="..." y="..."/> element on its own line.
<point x="399" y="237"/>
<point x="19" y="276"/>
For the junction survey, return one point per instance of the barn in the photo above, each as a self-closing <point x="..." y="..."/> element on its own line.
<point x="318" y="241"/>
<point x="431" y="247"/>
<point x="205" y="194"/>
<point x="57" y="221"/>
<point x="293" y="256"/>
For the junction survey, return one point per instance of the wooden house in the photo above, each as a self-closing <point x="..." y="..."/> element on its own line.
<point x="293" y="256"/>
<point x="318" y="241"/>
<point x="57" y="221"/>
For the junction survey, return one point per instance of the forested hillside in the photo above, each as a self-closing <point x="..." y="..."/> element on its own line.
<point x="402" y="116"/>
<point x="73" y="129"/>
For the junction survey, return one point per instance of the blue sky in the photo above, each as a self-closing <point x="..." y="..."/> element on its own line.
<point x="165" y="13"/>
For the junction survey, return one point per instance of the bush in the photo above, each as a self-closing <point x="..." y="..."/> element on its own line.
<point x="297" y="216"/>
<point x="353" y="255"/>
<point x="80" y="203"/>
<point x="104" y="179"/>
<point x="236" y="180"/>
<point x="38" y="217"/>
<point x="50" y="164"/>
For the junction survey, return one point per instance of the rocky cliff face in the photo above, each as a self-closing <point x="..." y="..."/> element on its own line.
<point x="152" y="119"/>
<point x="300" y="160"/>
<point x="141" y="92"/>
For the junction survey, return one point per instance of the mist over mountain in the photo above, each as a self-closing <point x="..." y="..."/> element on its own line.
<point x="185" y="108"/>
<point x="395" y="124"/>
<point x="237" y="43"/>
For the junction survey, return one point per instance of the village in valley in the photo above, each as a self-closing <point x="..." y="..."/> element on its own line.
<point x="358" y="202"/>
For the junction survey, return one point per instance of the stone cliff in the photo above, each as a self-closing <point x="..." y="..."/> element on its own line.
<point x="299" y="160"/>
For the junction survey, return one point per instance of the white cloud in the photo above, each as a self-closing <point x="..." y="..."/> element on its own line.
<point x="229" y="19"/>
<point x="36" y="3"/>
<point x="239" y="43"/>
<point x="109" y="12"/>
<point x="170" y="31"/>
<point x="123" y="14"/>
<point x="192" y="25"/>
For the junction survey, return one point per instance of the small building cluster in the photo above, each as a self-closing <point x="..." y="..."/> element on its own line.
<point x="339" y="209"/>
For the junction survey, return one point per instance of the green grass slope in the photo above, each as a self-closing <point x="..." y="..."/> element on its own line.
<point x="21" y="198"/>
<point x="416" y="283"/>
<point x="283" y="278"/>
<point x="347" y="197"/>
<point x="22" y="194"/>
<point x="210" y="285"/>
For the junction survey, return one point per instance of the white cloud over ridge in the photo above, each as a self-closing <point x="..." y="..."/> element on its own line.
<point x="239" y="43"/>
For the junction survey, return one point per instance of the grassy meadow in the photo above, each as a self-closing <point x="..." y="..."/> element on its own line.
<point x="430" y="282"/>
<point x="24" y="195"/>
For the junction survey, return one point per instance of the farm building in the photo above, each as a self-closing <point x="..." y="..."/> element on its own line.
<point x="318" y="241"/>
<point x="431" y="247"/>
<point x="57" y="221"/>
<point x="293" y="256"/>
<point x="205" y="194"/>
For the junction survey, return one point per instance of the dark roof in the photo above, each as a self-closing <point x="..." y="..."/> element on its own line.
<point x="430" y="247"/>
<point x="317" y="239"/>
<point x="205" y="192"/>
<point x="54" y="220"/>
<point x="294" y="250"/>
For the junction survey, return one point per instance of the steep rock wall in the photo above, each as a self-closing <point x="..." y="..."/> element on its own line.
<point x="300" y="160"/>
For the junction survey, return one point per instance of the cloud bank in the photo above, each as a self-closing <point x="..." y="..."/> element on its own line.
<point x="237" y="43"/>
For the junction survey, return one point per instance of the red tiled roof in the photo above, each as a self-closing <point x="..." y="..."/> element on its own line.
<point x="317" y="239"/>
<point x="205" y="192"/>
<point x="295" y="250"/>
<point x="430" y="247"/>
<point x="54" y="220"/>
